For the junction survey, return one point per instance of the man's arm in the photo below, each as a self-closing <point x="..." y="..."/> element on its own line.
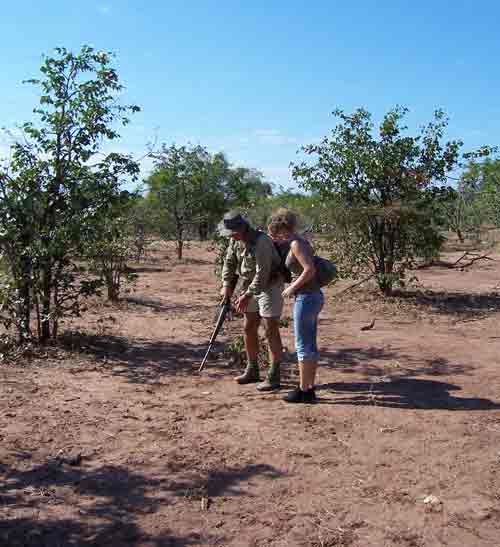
<point x="265" y="256"/>
<point x="230" y="268"/>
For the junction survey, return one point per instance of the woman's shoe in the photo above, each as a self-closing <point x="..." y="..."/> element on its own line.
<point x="299" y="396"/>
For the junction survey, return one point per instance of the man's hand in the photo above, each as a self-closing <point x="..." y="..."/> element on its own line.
<point x="226" y="293"/>
<point x="242" y="303"/>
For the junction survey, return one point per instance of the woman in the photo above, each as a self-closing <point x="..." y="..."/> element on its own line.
<point x="308" y="301"/>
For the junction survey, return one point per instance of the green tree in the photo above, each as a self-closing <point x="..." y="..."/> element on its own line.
<point x="189" y="190"/>
<point x="308" y="207"/>
<point x="180" y="191"/>
<point x="380" y="186"/>
<point x="58" y="182"/>
<point x="113" y="243"/>
<point x="480" y="183"/>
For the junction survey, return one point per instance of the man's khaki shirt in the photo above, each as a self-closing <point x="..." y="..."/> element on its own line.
<point x="256" y="262"/>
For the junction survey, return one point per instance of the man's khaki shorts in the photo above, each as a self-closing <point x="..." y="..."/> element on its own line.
<point x="268" y="303"/>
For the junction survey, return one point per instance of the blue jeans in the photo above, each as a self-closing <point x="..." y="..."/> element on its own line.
<point x="305" y="324"/>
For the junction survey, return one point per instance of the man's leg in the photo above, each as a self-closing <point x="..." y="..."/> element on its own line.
<point x="271" y="306"/>
<point x="272" y="329"/>
<point x="273" y="337"/>
<point x="251" y="337"/>
<point x="251" y="334"/>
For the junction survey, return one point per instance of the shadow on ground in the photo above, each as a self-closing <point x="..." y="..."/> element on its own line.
<point x="146" y="361"/>
<point x="462" y="305"/>
<point x="143" y="360"/>
<point x="376" y="361"/>
<point x="102" y="506"/>
<point x="176" y="307"/>
<point x="406" y="393"/>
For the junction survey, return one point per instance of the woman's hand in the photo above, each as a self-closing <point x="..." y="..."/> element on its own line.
<point x="288" y="292"/>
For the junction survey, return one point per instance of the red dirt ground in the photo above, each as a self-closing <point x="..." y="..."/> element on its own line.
<point x="115" y="440"/>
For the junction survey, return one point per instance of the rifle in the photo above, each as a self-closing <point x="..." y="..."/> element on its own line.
<point x="224" y="310"/>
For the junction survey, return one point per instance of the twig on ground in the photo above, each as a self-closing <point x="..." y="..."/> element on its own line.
<point x="457" y="265"/>
<point x="354" y="285"/>
<point x="470" y="319"/>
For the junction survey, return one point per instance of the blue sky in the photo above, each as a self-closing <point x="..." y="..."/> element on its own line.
<point x="258" y="79"/>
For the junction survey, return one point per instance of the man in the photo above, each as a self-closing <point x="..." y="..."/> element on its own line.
<point x="252" y="257"/>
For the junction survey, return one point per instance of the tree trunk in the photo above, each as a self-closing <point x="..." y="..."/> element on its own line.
<point x="112" y="287"/>
<point x="203" y="231"/>
<point x="46" y="299"/>
<point x="180" y="241"/>
<point x="24" y="309"/>
<point x="113" y="293"/>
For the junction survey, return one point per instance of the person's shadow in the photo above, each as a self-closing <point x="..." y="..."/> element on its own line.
<point x="411" y="393"/>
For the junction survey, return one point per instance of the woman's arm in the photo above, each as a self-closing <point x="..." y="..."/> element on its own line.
<point x="303" y="253"/>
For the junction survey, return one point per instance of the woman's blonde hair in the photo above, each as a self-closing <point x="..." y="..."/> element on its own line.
<point x="282" y="219"/>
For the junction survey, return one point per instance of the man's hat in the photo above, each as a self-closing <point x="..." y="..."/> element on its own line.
<point x="232" y="222"/>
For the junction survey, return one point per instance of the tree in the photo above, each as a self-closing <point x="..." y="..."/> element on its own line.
<point x="189" y="190"/>
<point x="113" y="244"/>
<point x="309" y="208"/>
<point x="380" y="187"/>
<point x="179" y="191"/>
<point x="57" y="184"/>
<point x="480" y="183"/>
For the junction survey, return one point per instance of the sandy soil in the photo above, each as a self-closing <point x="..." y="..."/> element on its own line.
<point x="115" y="440"/>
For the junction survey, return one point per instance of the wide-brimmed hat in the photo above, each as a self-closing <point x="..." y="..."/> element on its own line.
<point x="232" y="222"/>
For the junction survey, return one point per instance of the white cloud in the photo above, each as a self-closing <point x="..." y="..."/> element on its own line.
<point x="252" y="139"/>
<point x="279" y="176"/>
<point x="7" y="138"/>
<point x="274" y="137"/>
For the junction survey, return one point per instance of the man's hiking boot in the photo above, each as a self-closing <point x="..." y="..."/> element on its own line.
<point x="299" y="396"/>
<point x="272" y="380"/>
<point x="250" y="376"/>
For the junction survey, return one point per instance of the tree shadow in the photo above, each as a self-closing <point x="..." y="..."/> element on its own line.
<point x="34" y="532"/>
<point x="463" y="305"/>
<point x="148" y="269"/>
<point x="108" y="502"/>
<point x="408" y="393"/>
<point x="224" y="482"/>
<point x="111" y="499"/>
<point x="160" y="306"/>
<point x="195" y="261"/>
<point x="143" y="360"/>
<point x="375" y="361"/>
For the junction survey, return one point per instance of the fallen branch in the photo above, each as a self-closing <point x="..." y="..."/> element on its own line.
<point x="357" y="284"/>
<point x="457" y="264"/>
<point x="470" y="319"/>
<point x="475" y="258"/>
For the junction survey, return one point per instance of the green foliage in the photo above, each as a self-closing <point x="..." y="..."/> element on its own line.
<point x="235" y="351"/>
<point x="480" y="185"/>
<point x="181" y="192"/>
<point x="218" y="246"/>
<point x="113" y="243"/>
<point x="190" y="189"/>
<point x="308" y="208"/>
<point x="58" y="183"/>
<point x="379" y="186"/>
